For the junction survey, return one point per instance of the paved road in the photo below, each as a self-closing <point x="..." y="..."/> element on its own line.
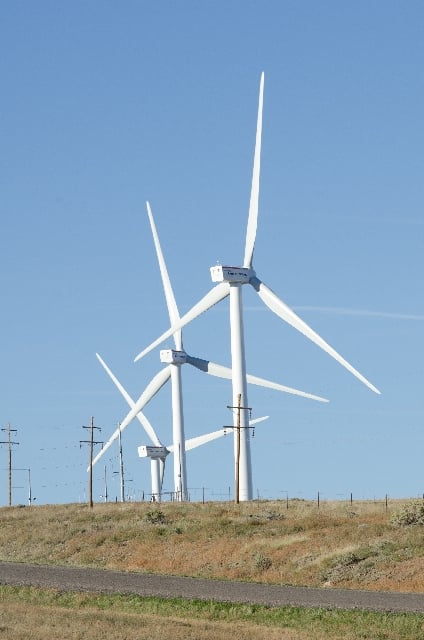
<point x="105" y="581"/>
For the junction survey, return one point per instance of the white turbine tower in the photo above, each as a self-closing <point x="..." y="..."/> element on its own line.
<point x="175" y="358"/>
<point x="230" y="281"/>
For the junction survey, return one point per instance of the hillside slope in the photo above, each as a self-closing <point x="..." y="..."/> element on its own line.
<point x="361" y="545"/>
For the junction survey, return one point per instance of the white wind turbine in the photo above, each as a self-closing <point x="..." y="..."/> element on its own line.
<point x="175" y="358"/>
<point x="158" y="452"/>
<point x="231" y="280"/>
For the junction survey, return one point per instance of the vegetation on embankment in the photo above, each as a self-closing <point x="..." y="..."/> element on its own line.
<point x="361" y="545"/>
<point x="42" y="613"/>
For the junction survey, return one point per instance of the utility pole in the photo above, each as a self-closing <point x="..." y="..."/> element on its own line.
<point x="105" y="486"/>
<point x="91" y="442"/>
<point x="9" y="444"/>
<point x="237" y="451"/>
<point x="30" y="498"/>
<point x="29" y="488"/>
<point x="121" y="467"/>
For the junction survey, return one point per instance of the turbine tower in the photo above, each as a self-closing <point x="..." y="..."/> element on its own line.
<point x="230" y="281"/>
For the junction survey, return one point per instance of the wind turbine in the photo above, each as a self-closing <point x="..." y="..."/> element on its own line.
<point x="158" y="452"/>
<point x="175" y="358"/>
<point x="230" y="281"/>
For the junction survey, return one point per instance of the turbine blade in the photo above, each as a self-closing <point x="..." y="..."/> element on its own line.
<point x="257" y="420"/>
<point x="149" y="392"/>
<point x="214" y="296"/>
<point x="141" y="417"/>
<point x="145" y="423"/>
<point x="285" y="313"/>
<point x="152" y="388"/>
<point x="252" y="221"/>
<point x="193" y="443"/>
<point x="174" y="315"/>
<point x="114" y="379"/>
<point x="220" y="371"/>
<point x="210" y="367"/>
<point x="261" y="382"/>
<point x="198" y="441"/>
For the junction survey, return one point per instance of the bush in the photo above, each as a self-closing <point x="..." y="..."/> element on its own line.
<point x="411" y="514"/>
<point x="156" y="517"/>
<point x="262" y="563"/>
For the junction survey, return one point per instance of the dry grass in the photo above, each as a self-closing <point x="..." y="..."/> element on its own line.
<point x="19" y="621"/>
<point x="341" y="545"/>
<point x="36" y="614"/>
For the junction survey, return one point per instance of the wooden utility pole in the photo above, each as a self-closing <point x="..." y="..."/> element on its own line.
<point x="237" y="461"/>
<point x="105" y="486"/>
<point x="91" y="442"/>
<point x="237" y="427"/>
<point x="9" y="444"/>
<point x="121" y="466"/>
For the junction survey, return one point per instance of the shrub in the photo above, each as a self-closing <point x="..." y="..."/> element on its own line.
<point x="155" y="517"/>
<point x="411" y="514"/>
<point x="262" y="563"/>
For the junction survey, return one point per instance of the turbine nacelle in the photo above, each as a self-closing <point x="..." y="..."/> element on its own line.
<point x="172" y="356"/>
<point x="232" y="275"/>
<point x="155" y="453"/>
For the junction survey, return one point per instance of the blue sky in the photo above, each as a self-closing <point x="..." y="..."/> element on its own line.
<point x="106" y="105"/>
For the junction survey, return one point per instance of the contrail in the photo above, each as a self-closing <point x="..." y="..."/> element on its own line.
<point x="362" y="312"/>
<point x="343" y="311"/>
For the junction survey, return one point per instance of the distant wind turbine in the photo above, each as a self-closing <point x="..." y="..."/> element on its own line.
<point x="157" y="461"/>
<point x="231" y="280"/>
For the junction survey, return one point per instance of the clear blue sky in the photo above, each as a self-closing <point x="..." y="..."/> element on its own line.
<point x="105" y="105"/>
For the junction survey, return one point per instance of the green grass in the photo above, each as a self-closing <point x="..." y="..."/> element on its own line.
<point x="309" y="623"/>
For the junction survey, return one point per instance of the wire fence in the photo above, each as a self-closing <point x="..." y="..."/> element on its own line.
<point x="204" y="494"/>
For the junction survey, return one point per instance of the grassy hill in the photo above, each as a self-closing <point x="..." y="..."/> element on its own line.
<point x="364" y="545"/>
